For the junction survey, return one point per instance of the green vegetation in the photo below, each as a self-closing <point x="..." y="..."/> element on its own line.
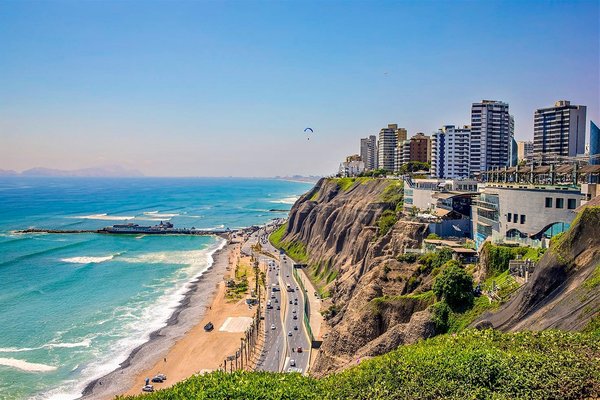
<point x="594" y="280"/>
<point x="385" y="222"/>
<point x="277" y="235"/>
<point x="345" y="183"/>
<point x="315" y="196"/>
<point x="499" y="256"/>
<point x="394" y="195"/>
<point x="408" y="258"/>
<point x="454" y="285"/>
<point x="376" y="173"/>
<point x="433" y="236"/>
<point x="413" y="166"/>
<point x="432" y="260"/>
<point x="470" y="365"/>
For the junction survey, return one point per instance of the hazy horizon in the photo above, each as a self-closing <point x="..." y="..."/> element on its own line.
<point x="227" y="88"/>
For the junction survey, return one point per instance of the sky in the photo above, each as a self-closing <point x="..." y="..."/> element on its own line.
<point x="226" y="88"/>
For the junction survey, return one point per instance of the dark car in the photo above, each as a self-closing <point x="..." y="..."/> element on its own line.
<point x="295" y="316"/>
<point x="209" y="327"/>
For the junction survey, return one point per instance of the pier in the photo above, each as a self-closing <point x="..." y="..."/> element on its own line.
<point x="106" y="231"/>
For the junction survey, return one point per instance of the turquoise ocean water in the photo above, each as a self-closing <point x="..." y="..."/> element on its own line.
<point x="73" y="306"/>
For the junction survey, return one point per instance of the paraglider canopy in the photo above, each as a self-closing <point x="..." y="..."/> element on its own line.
<point x="306" y="130"/>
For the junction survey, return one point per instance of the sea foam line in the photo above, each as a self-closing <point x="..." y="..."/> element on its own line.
<point x="89" y="260"/>
<point x="25" y="365"/>
<point x="104" y="217"/>
<point x="83" y="343"/>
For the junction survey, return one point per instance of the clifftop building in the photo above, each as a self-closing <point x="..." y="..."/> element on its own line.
<point x="559" y="131"/>
<point x="492" y="129"/>
<point x="388" y="141"/>
<point x="368" y="152"/>
<point x="420" y="148"/>
<point x="450" y="152"/>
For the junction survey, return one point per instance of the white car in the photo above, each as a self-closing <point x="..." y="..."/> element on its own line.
<point x="148" y="388"/>
<point x="292" y="363"/>
<point x="273" y="327"/>
<point x="290" y="333"/>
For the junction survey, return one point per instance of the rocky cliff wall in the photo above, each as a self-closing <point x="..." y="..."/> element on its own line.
<point x="338" y="226"/>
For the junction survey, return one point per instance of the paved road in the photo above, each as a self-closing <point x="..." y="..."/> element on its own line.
<point x="281" y="343"/>
<point x="294" y="313"/>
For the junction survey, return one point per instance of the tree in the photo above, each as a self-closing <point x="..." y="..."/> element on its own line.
<point x="454" y="285"/>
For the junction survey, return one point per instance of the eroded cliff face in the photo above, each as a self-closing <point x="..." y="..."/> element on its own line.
<point x="338" y="228"/>
<point x="564" y="289"/>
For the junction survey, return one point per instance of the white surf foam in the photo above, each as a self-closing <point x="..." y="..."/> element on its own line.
<point x="104" y="217"/>
<point x="83" y="343"/>
<point x="156" y="214"/>
<point x="138" y="324"/>
<point x="25" y="365"/>
<point x="286" y="200"/>
<point x="88" y="260"/>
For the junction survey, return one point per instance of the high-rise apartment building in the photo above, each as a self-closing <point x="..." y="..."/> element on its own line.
<point x="368" y="152"/>
<point x="492" y="128"/>
<point x="559" y="131"/>
<point x="420" y="148"/>
<point x="401" y="134"/>
<point x="524" y="150"/>
<point x="594" y="144"/>
<point x="450" y="148"/>
<point x="388" y="141"/>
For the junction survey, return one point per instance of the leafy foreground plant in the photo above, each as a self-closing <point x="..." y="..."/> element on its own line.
<point x="470" y="365"/>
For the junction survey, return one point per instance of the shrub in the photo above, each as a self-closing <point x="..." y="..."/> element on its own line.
<point x="440" y="315"/>
<point x="432" y="260"/>
<point x="385" y="222"/>
<point x="408" y="258"/>
<point x="433" y="236"/>
<point x="454" y="285"/>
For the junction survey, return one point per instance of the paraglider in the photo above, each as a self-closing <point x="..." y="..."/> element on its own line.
<point x="308" y="129"/>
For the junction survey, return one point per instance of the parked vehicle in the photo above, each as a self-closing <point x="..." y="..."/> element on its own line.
<point x="209" y="327"/>
<point x="148" y="388"/>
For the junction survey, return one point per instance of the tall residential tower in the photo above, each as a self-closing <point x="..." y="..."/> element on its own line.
<point x="492" y="129"/>
<point x="368" y="152"/>
<point x="559" y="131"/>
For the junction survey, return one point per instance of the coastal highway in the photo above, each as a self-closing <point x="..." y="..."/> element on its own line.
<point x="293" y="319"/>
<point x="281" y="343"/>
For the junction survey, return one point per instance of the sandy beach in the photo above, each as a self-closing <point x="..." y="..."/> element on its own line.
<point x="183" y="348"/>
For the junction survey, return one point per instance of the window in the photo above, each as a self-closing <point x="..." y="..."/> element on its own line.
<point x="522" y="219"/>
<point x="508" y="217"/>
<point x="548" y="202"/>
<point x="560" y="203"/>
<point x="515" y="218"/>
<point x="571" y="204"/>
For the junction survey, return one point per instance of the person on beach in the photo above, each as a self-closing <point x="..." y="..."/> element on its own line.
<point x="147" y="381"/>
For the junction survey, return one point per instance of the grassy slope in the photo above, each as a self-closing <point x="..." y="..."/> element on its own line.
<point x="472" y="364"/>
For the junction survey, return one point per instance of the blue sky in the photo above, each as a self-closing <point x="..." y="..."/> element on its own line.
<point x="192" y="88"/>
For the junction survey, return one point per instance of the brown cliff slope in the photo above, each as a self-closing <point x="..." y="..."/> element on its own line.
<point x="370" y="314"/>
<point x="564" y="289"/>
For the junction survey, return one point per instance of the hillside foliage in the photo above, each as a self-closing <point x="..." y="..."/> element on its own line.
<point x="469" y="365"/>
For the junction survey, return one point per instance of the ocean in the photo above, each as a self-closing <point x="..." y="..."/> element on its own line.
<point x="73" y="306"/>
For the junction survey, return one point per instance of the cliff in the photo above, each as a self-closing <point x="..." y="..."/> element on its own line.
<point x="564" y="289"/>
<point x="346" y="232"/>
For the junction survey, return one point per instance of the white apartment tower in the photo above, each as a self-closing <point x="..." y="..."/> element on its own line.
<point x="559" y="130"/>
<point x="388" y="141"/>
<point x="450" y="149"/>
<point x="492" y="129"/>
<point x="368" y="152"/>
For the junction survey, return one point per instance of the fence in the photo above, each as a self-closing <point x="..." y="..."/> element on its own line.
<point x="247" y="348"/>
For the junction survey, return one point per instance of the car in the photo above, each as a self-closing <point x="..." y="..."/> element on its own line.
<point x="162" y="376"/>
<point x="294" y="311"/>
<point x="276" y="301"/>
<point x="148" y="388"/>
<point x="273" y="327"/>
<point x="290" y="302"/>
<point x="295" y="327"/>
<point x="278" y="307"/>
<point x="290" y="333"/>
<point x="299" y="350"/>
<point x="292" y="363"/>
<point x="209" y="327"/>
<point x="295" y="316"/>
<point x="272" y="296"/>
<point x="157" y="379"/>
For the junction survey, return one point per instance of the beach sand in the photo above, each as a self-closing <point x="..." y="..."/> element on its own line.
<point x="199" y="351"/>
<point x="186" y="323"/>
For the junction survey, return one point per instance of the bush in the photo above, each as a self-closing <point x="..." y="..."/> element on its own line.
<point x="432" y="260"/>
<point x="454" y="285"/>
<point x="408" y="258"/>
<point x="441" y="314"/>
<point x="385" y="222"/>
<point x="433" y="236"/>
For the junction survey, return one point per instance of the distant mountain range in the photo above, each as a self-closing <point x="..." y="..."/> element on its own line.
<point x="95" y="172"/>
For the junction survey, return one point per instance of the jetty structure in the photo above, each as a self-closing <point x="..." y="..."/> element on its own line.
<point x="163" y="228"/>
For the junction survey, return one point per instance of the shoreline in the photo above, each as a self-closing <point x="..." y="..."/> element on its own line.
<point x="189" y="312"/>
